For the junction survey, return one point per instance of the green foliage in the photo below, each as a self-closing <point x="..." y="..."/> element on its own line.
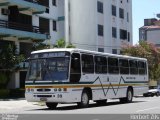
<point x="40" y="46"/>
<point x="16" y="93"/>
<point x="62" y="44"/>
<point x="148" y="51"/>
<point x="4" y="93"/>
<point x="8" y="57"/>
<point x="70" y="46"/>
<point x="3" y="80"/>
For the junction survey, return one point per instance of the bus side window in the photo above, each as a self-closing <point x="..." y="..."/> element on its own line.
<point x="100" y="64"/>
<point x="113" y="65"/>
<point x="133" y="67"/>
<point x="124" y="66"/>
<point x="141" y="68"/>
<point x="87" y="64"/>
<point x="75" y="69"/>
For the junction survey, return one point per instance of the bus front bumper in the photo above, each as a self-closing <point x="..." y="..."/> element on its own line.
<point x="55" y="97"/>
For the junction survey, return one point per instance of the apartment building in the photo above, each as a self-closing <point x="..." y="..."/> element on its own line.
<point x="99" y="25"/>
<point x="23" y="22"/>
<point x="150" y="32"/>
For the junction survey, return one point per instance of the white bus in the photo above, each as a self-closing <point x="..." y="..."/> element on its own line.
<point x="77" y="76"/>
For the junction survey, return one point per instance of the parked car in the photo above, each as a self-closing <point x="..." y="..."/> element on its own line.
<point x="153" y="91"/>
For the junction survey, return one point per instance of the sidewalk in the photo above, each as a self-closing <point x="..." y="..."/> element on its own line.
<point x="12" y="99"/>
<point x="15" y="104"/>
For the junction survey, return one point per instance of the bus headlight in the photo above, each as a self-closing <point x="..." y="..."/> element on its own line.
<point x="65" y="89"/>
<point x="59" y="89"/>
<point x="29" y="90"/>
<point x="55" y="89"/>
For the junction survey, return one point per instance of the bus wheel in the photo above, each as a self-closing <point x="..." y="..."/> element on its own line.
<point x="128" y="98"/>
<point x="84" y="100"/>
<point x="101" y="102"/>
<point x="51" y="105"/>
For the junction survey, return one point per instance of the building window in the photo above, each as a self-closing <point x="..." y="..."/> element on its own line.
<point x="127" y="17"/>
<point x="123" y="34"/>
<point x="44" y="2"/>
<point x="100" y="49"/>
<point x="128" y="36"/>
<point x="121" y="13"/>
<point x="114" y="51"/>
<point x="100" y="30"/>
<point x="44" y="25"/>
<point x="100" y="7"/>
<point x="47" y="10"/>
<point x="54" y="2"/>
<point x="54" y="25"/>
<point x="114" y="32"/>
<point x="113" y="10"/>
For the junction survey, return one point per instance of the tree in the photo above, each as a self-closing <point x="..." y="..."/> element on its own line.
<point x="62" y="44"/>
<point x="8" y="58"/>
<point x="148" y="51"/>
<point x="8" y="62"/>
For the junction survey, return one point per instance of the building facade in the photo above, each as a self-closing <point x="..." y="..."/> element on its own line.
<point x="99" y="25"/>
<point x="23" y="22"/>
<point x="150" y="32"/>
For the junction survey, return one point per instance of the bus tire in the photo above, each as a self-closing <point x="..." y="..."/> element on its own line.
<point x="51" y="106"/>
<point x="101" y="102"/>
<point x="129" y="96"/>
<point x="84" y="100"/>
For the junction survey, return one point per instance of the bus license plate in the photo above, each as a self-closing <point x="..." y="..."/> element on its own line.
<point x="43" y="99"/>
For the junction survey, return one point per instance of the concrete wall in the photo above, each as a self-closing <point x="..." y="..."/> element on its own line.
<point x="153" y="36"/>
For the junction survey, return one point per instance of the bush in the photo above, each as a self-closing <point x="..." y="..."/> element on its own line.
<point x="4" y="93"/>
<point x="3" y="80"/>
<point x="16" y="93"/>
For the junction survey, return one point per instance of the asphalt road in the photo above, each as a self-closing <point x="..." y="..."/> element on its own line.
<point x="140" y="105"/>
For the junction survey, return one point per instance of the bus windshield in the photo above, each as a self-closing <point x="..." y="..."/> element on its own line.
<point x="48" y="69"/>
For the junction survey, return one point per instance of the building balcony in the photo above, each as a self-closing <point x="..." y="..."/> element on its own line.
<point x="25" y="6"/>
<point x="21" y="31"/>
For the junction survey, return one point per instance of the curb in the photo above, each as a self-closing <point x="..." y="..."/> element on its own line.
<point x="12" y="99"/>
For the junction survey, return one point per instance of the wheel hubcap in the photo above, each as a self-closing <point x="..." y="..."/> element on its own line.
<point x="129" y="95"/>
<point x="85" y="98"/>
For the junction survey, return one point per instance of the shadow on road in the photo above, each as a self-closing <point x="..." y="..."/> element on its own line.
<point x="93" y="105"/>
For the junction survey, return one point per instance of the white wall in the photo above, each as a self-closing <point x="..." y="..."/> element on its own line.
<point x="83" y="19"/>
<point x="83" y="25"/>
<point x="153" y="36"/>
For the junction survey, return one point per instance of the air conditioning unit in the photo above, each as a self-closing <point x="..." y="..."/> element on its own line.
<point x="5" y="11"/>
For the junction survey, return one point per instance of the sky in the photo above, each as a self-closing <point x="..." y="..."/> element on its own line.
<point x="141" y="10"/>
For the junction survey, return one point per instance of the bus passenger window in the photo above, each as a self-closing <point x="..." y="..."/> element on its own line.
<point x="133" y="67"/>
<point x="141" y="68"/>
<point x="87" y="63"/>
<point x="100" y="64"/>
<point x="113" y="66"/>
<point x="124" y="66"/>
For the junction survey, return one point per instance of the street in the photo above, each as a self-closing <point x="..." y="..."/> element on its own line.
<point x="140" y="105"/>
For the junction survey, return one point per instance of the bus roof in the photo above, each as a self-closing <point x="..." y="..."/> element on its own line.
<point x="85" y="51"/>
